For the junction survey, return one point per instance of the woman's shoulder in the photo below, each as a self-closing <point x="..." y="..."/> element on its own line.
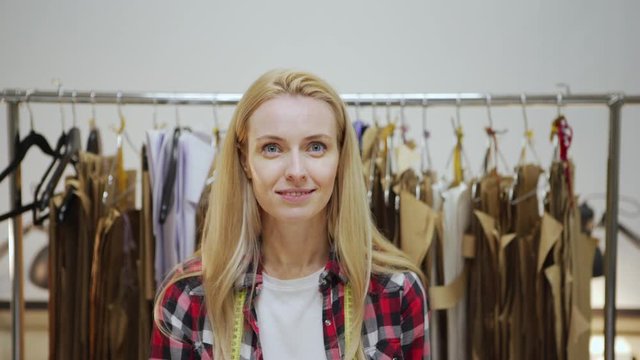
<point x="402" y="282"/>
<point x="180" y="306"/>
<point x="184" y="282"/>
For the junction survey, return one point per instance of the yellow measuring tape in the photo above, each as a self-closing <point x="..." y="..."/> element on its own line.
<point x="238" y="323"/>
<point x="348" y="305"/>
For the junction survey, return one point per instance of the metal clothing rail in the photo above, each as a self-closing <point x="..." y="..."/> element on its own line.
<point x="364" y="99"/>
<point x="614" y="102"/>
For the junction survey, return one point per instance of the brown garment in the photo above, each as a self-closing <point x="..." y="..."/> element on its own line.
<point x="490" y="297"/>
<point x="116" y="290"/>
<point x="421" y="236"/>
<point x="68" y="258"/>
<point x="418" y="225"/>
<point x="573" y="262"/>
<point x="145" y="264"/>
<point x="559" y="207"/>
<point x="526" y="334"/>
<point x="80" y="293"/>
<point x="96" y="316"/>
<point x="122" y="291"/>
<point x="384" y="202"/>
<point x="108" y="251"/>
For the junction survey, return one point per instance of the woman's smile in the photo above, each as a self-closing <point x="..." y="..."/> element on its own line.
<point x="295" y="196"/>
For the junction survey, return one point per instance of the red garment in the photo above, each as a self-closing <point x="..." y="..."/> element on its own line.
<point x="395" y="324"/>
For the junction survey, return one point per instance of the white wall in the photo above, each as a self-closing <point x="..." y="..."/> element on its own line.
<point x="359" y="46"/>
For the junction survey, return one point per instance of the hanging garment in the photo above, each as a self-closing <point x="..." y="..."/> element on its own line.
<point x="434" y="267"/>
<point x="582" y="250"/>
<point x="548" y="286"/>
<point x="421" y="240"/>
<point x="456" y="209"/>
<point x="426" y="188"/>
<point x="77" y="267"/>
<point x="146" y="277"/>
<point x="71" y="238"/>
<point x="490" y="297"/>
<point x="526" y="334"/>
<point x="117" y="290"/>
<point x="109" y="255"/>
<point x="359" y="127"/>
<point x="368" y="155"/>
<point x="570" y="276"/>
<point x="71" y="256"/>
<point x="94" y="171"/>
<point x="372" y="174"/>
<point x="417" y="221"/>
<point x="555" y="257"/>
<point x="176" y="237"/>
<point x="68" y="242"/>
<point x="384" y="201"/>
<point x="446" y="261"/>
<point x="96" y="295"/>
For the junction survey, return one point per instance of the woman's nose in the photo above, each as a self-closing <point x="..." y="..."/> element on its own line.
<point x="296" y="171"/>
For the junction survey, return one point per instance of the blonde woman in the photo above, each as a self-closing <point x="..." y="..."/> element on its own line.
<point x="291" y="264"/>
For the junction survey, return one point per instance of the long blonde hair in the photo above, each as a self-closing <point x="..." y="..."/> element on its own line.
<point x="232" y="225"/>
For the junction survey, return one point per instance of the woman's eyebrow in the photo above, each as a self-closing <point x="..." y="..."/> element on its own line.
<point x="310" y="137"/>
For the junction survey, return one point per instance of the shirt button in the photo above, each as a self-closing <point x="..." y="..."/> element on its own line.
<point x="327" y="322"/>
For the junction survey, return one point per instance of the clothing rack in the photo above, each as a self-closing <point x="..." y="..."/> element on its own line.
<point x="614" y="101"/>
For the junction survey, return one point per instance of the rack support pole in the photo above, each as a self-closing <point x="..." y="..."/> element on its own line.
<point x="613" y="179"/>
<point x="16" y="273"/>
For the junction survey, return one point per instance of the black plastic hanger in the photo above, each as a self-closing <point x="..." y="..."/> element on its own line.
<point x="170" y="177"/>
<point x="69" y="156"/>
<point x="94" y="141"/>
<point x="172" y="168"/>
<point x="32" y="139"/>
<point x="15" y="212"/>
<point x="67" y="152"/>
<point x="62" y="140"/>
<point x="69" y="195"/>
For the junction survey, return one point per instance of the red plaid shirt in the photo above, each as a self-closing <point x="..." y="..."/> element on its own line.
<point x="395" y="323"/>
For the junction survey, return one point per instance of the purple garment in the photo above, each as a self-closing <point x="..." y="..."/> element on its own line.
<point x="359" y="126"/>
<point x="175" y="239"/>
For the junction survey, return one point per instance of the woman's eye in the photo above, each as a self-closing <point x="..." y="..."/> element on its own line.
<point x="317" y="147"/>
<point x="270" y="148"/>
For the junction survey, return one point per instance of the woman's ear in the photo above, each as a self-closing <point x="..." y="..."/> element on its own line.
<point x="243" y="163"/>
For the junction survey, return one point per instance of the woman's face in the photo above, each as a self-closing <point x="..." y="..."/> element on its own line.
<point x="292" y="157"/>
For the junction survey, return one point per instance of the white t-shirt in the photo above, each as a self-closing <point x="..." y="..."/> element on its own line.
<point x="290" y="318"/>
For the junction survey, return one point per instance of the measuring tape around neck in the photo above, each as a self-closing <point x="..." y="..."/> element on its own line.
<point x="238" y="322"/>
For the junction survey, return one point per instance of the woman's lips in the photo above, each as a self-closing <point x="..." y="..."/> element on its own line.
<point x="295" y="195"/>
